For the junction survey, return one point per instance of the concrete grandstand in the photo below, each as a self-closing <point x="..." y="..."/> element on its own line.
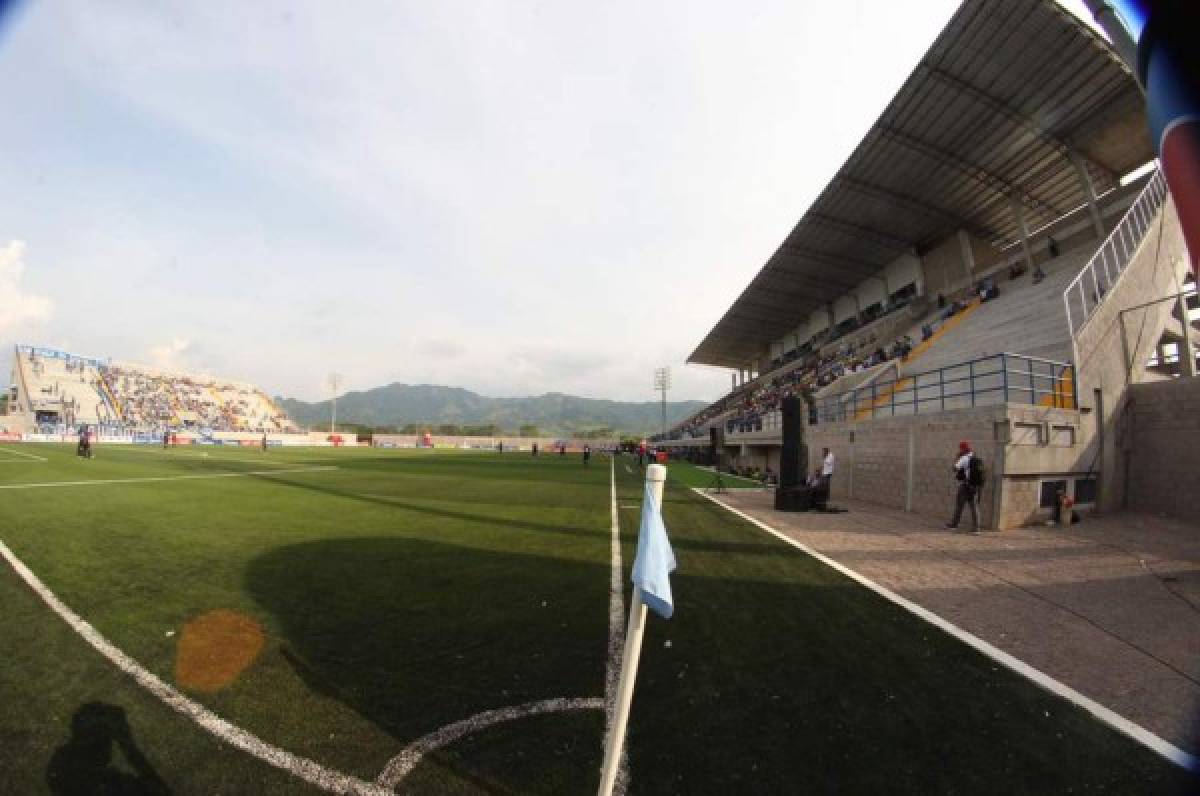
<point x="998" y="261"/>
<point x="56" y="391"/>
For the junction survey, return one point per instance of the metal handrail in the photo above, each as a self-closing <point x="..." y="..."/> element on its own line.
<point x="1107" y="265"/>
<point x="1014" y="377"/>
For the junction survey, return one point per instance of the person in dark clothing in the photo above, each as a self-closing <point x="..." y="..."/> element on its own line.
<point x="965" y="472"/>
<point x="535" y="449"/>
<point x="587" y="455"/>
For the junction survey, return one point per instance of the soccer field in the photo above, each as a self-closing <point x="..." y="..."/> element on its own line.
<point x="373" y="615"/>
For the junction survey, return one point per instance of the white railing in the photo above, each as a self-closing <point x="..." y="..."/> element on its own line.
<point x="1087" y="290"/>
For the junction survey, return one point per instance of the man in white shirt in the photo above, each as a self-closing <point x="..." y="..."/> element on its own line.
<point x="827" y="462"/>
<point x="968" y="493"/>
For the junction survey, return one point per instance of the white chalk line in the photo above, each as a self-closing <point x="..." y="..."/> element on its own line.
<point x="616" y="633"/>
<point x="301" y="767"/>
<point x="1110" y="717"/>
<point x="403" y="764"/>
<point x="23" y="454"/>
<point x="157" y="478"/>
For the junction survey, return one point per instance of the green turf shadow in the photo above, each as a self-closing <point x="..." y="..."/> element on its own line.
<point x="414" y="635"/>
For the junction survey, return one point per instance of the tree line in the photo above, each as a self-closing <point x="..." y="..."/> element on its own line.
<point x="482" y="430"/>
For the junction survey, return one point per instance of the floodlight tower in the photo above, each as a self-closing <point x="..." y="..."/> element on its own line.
<point x="662" y="383"/>
<point x="335" y="381"/>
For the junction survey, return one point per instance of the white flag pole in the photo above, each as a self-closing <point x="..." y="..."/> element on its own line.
<point x="656" y="477"/>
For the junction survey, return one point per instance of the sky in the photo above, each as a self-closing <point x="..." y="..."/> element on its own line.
<point x="515" y="198"/>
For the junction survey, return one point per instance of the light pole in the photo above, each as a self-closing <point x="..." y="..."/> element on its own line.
<point x="335" y="381"/>
<point x="662" y="383"/>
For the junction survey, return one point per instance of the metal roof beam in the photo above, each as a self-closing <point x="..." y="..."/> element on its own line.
<point x="898" y="197"/>
<point x="993" y="182"/>
<point x="1017" y="117"/>
<point x="880" y="237"/>
<point x="829" y="258"/>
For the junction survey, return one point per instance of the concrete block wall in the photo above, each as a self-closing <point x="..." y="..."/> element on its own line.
<point x="906" y="462"/>
<point x="1164" y="464"/>
<point x="1112" y="349"/>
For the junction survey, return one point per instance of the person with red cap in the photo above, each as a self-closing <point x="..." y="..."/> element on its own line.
<point x="968" y="471"/>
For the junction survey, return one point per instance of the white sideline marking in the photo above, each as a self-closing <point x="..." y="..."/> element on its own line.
<point x="1110" y="717"/>
<point x="302" y="767"/>
<point x="402" y="764"/>
<point x="149" y="479"/>
<point x="7" y="449"/>
<point x="616" y="634"/>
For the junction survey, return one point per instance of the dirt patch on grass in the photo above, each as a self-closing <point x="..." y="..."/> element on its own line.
<point x="214" y="648"/>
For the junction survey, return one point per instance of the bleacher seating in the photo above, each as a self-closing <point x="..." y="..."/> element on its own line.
<point x="66" y="386"/>
<point x="84" y="391"/>
<point x="1025" y="318"/>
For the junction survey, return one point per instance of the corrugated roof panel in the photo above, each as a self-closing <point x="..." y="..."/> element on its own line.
<point x="1003" y="98"/>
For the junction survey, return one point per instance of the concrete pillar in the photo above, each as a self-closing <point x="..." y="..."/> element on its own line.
<point x="1122" y="41"/>
<point x="920" y="273"/>
<point x="1018" y="211"/>
<point x="1089" y="192"/>
<point x="1187" y="353"/>
<point x="968" y="255"/>
<point x="733" y="381"/>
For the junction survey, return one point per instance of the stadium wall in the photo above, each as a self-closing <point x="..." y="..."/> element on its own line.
<point x="945" y="267"/>
<point x="1164" y="422"/>
<point x="1111" y="352"/>
<point x="489" y="443"/>
<point x="906" y="462"/>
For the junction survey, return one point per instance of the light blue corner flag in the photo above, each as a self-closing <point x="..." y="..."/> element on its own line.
<point x="655" y="560"/>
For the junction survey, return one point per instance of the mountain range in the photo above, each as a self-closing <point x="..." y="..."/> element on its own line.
<point x="398" y="405"/>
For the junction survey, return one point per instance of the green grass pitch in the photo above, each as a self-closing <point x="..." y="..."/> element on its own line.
<point x="378" y="596"/>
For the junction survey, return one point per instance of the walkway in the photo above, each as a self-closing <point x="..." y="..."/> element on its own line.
<point x="1110" y="607"/>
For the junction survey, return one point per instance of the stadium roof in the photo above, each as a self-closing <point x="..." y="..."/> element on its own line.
<point x="1010" y="93"/>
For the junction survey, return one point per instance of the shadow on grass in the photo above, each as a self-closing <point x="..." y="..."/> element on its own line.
<point x="597" y="534"/>
<point x="806" y="683"/>
<point x="413" y="635"/>
<point x="85" y="763"/>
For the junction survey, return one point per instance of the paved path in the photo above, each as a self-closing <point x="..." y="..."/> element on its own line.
<point x="1110" y="607"/>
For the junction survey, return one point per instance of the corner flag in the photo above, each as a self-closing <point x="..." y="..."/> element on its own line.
<point x="652" y="568"/>
<point x="655" y="560"/>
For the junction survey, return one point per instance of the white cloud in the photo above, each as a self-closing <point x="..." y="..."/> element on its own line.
<point x="171" y="355"/>
<point x="19" y="309"/>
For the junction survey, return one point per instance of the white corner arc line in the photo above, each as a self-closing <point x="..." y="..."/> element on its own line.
<point x="1105" y="714"/>
<point x="9" y="449"/>
<point x="301" y="767"/>
<point x="154" y="478"/>
<point x="402" y="764"/>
